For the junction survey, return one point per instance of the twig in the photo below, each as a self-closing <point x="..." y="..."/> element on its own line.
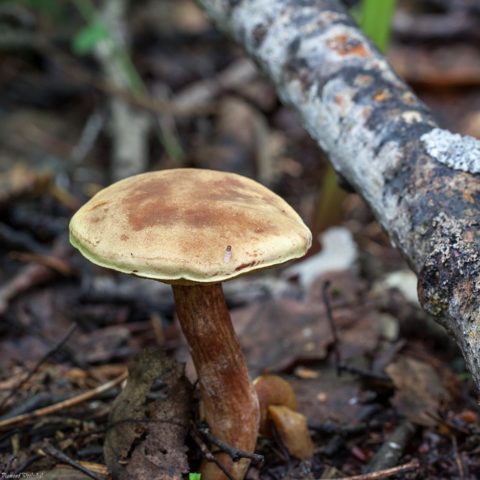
<point x="393" y="447"/>
<point x="19" y="240"/>
<point x="333" y="328"/>
<point x="57" y="264"/>
<point x="387" y="356"/>
<point x="198" y="95"/>
<point x="458" y="458"/>
<point x="388" y="472"/>
<point x="31" y="275"/>
<point x="234" y="453"/>
<point x="88" y="137"/>
<point x="57" y="407"/>
<point x="366" y="374"/>
<point x="34" y="402"/>
<point x="29" y="461"/>
<point x="207" y="454"/>
<point x="42" y="360"/>
<point x="60" y="456"/>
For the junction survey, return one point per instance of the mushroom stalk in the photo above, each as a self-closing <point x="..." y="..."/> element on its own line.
<point x="229" y="399"/>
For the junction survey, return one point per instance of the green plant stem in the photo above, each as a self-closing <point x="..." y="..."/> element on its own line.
<point x="328" y="210"/>
<point x="168" y="135"/>
<point x="375" y="18"/>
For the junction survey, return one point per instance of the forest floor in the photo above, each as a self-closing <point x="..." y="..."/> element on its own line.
<point x="380" y="383"/>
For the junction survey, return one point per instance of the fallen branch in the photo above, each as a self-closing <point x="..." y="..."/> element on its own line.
<point x="419" y="180"/>
<point x="129" y="127"/>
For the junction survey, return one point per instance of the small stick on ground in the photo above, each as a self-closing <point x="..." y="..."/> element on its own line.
<point x="235" y="454"/>
<point x="90" y="133"/>
<point x="364" y="373"/>
<point x="328" y="307"/>
<point x="388" y="472"/>
<point x="57" y="407"/>
<point x="207" y="454"/>
<point x="31" y="275"/>
<point x="392" y="449"/>
<point x="40" y="362"/>
<point x="60" y="456"/>
<point x="458" y="459"/>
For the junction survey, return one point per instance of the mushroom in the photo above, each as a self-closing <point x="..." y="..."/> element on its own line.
<point x="194" y="229"/>
<point x="278" y="405"/>
<point x="293" y="430"/>
<point x="273" y="390"/>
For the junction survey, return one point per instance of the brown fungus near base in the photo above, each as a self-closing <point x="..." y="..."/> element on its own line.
<point x="278" y="408"/>
<point x="273" y="390"/>
<point x="195" y="229"/>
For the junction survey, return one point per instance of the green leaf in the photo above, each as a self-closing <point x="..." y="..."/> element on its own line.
<point x="375" y="17"/>
<point x="194" y="476"/>
<point x="86" y="39"/>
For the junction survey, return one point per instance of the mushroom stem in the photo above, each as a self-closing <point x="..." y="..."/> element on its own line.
<point x="229" y="399"/>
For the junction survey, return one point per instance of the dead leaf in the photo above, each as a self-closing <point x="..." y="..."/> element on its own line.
<point x="18" y="181"/>
<point x="445" y="66"/>
<point x="420" y="390"/>
<point x="161" y="452"/>
<point x="276" y="333"/>
<point x="102" y="344"/>
<point x="329" y="397"/>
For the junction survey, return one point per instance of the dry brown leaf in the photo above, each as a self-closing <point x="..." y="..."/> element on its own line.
<point x="420" y="390"/>
<point x="329" y="397"/>
<point x="102" y="344"/>
<point x="162" y="426"/>
<point x="19" y="180"/>
<point x="277" y="333"/>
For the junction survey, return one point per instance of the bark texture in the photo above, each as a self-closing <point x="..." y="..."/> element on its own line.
<point x="419" y="180"/>
<point x="229" y="399"/>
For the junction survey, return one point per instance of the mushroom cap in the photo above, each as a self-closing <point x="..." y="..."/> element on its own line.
<point x="188" y="226"/>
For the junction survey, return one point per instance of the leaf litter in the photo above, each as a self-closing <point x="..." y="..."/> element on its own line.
<point x="394" y="368"/>
<point x="148" y="441"/>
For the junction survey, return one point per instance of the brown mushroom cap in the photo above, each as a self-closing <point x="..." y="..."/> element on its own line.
<point x="187" y="226"/>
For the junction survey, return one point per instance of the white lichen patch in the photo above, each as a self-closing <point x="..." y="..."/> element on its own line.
<point x="412" y="116"/>
<point x="460" y="152"/>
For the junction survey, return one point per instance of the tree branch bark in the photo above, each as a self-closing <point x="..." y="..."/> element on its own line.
<point x="420" y="181"/>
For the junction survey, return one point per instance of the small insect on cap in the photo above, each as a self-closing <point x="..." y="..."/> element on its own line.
<point x="188" y="226"/>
